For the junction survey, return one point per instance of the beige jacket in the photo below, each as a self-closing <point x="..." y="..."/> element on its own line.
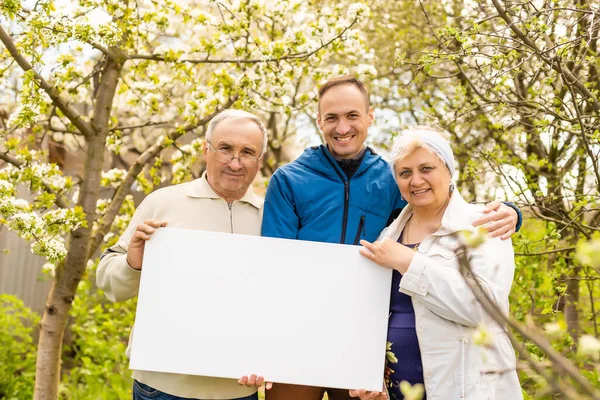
<point x="447" y="313"/>
<point x="192" y="205"/>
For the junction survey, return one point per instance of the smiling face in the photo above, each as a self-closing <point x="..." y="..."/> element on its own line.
<point x="344" y="117"/>
<point x="242" y="137"/>
<point x="423" y="179"/>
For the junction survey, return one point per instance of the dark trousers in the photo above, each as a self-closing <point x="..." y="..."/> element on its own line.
<point x="145" y="392"/>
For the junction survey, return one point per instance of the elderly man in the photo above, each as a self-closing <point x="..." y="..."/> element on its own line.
<point x="341" y="193"/>
<point x="221" y="200"/>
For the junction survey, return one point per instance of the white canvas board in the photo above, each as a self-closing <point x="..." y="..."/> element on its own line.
<point x="227" y="305"/>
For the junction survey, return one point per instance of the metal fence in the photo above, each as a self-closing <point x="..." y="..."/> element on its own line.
<point x="21" y="271"/>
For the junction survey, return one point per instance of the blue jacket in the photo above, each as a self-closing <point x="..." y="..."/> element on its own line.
<point x="312" y="199"/>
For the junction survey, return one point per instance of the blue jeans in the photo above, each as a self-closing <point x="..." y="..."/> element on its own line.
<point x="145" y="392"/>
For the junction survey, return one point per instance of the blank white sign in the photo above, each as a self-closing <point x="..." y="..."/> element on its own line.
<point x="228" y="305"/>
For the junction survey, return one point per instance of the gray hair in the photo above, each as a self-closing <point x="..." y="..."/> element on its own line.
<point x="428" y="137"/>
<point x="235" y="115"/>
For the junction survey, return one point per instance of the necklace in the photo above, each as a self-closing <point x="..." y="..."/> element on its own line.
<point x="416" y="246"/>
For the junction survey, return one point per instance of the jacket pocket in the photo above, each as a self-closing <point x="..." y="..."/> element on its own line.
<point x="360" y="230"/>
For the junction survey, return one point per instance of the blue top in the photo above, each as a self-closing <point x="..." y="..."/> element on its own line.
<point x="311" y="198"/>
<point x="404" y="342"/>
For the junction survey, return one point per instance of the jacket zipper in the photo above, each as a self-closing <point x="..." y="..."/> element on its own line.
<point x="346" y="200"/>
<point x="361" y="226"/>
<point x="346" y="203"/>
<point x="230" y="216"/>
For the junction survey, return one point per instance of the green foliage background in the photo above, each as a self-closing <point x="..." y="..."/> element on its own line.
<point x="17" y="350"/>
<point x="522" y="129"/>
<point x="97" y="367"/>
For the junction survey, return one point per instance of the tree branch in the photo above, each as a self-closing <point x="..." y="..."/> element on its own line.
<point x="582" y="127"/>
<point x="299" y="56"/>
<point x="552" y="62"/>
<point x="69" y="112"/>
<point x="122" y="128"/>
<point x="542" y="253"/>
<point x="62" y="130"/>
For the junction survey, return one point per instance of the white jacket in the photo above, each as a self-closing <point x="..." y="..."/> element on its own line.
<point x="447" y="314"/>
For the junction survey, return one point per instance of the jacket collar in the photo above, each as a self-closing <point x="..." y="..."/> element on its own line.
<point x="456" y="218"/>
<point x="200" y="189"/>
<point x="318" y="158"/>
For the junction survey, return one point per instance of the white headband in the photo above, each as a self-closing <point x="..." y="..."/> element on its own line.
<point x="433" y="140"/>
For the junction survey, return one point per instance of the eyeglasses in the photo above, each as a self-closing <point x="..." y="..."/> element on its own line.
<point x="226" y="156"/>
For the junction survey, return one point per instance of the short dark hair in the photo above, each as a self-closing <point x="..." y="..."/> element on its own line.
<point x="344" y="80"/>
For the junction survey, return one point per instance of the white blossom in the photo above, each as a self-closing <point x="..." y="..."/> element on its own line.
<point x="49" y="268"/>
<point x="56" y="182"/>
<point x="113" y="177"/>
<point x="366" y="69"/>
<point x="53" y="248"/>
<point x="75" y="195"/>
<point x="589" y="346"/>
<point x="553" y="329"/>
<point x="27" y="224"/>
<point x="358" y="10"/>
<point x="25" y="115"/>
<point x="20" y="204"/>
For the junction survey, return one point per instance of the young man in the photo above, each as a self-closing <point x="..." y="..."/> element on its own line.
<point x="341" y="193"/>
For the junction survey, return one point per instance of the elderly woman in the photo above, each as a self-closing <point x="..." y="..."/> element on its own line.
<point x="433" y="312"/>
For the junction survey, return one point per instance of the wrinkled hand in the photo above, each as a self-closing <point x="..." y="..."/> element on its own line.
<point x="363" y="394"/>
<point x="389" y="254"/>
<point x="143" y="232"/>
<point x="254" y="380"/>
<point x="500" y="220"/>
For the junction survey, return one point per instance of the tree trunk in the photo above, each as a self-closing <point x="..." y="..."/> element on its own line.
<point x="70" y="272"/>
<point x="64" y="286"/>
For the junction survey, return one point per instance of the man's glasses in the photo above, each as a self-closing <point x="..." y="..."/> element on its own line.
<point x="226" y="156"/>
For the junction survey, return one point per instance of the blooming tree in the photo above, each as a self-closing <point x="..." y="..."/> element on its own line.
<point x="130" y="86"/>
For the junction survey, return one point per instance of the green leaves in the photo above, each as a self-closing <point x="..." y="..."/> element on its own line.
<point x="10" y="8"/>
<point x="389" y="354"/>
<point x="100" y="334"/>
<point x="17" y="353"/>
